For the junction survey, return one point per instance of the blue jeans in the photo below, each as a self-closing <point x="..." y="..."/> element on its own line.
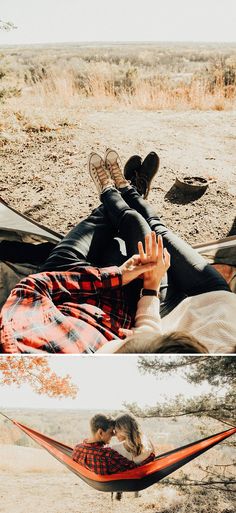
<point x="130" y="217"/>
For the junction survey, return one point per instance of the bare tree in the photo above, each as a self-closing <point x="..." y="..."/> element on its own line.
<point x="7" y="25"/>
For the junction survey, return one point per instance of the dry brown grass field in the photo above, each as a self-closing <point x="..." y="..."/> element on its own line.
<point x="146" y="76"/>
<point x="59" y="102"/>
<point x="32" y="479"/>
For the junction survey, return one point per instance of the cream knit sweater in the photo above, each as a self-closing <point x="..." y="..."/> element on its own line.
<point x="210" y="317"/>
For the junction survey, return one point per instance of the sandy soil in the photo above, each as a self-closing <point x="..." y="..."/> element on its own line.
<point x="61" y="494"/>
<point x="45" y="174"/>
<point x="34" y="460"/>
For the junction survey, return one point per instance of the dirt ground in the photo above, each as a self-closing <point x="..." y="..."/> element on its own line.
<point x="66" y="493"/>
<point x="44" y="174"/>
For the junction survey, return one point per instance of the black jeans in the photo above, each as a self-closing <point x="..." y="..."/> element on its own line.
<point x="89" y="243"/>
<point x="189" y="273"/>
<point x="92" y="241"/>
<point x="130" y="217"/>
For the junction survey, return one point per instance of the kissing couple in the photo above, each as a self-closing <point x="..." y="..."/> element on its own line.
<point x="130" y="449"/>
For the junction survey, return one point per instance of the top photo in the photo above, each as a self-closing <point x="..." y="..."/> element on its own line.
<point x="118" y="177"/>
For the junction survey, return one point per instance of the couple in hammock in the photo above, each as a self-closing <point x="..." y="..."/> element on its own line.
<point x="163" y="298"/>
<point x="97" y="453"/>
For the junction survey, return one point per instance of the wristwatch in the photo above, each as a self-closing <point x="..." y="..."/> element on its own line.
<point x="149" y="292"/>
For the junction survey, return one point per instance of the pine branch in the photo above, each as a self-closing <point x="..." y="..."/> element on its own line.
<point x="224" y="485"/>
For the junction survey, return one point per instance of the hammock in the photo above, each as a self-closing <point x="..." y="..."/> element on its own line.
<point x="130" y="480"/>
<point x="17" y="227"/>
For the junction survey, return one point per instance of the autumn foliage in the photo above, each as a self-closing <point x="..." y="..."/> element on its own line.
<point x="15" y="370"/>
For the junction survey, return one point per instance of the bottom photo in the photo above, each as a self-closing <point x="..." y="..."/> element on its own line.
<point x="117" y="433"/>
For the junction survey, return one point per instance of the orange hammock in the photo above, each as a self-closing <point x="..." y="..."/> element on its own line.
<point x="130" y="480"/>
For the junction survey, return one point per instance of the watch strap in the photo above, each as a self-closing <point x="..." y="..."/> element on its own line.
<point x="149" y="292"/>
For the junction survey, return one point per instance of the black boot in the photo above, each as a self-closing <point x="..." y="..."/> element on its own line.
<point x="141" y="174"/>
<point x="132" y="166"/>
<point x="118" y="496"/>
<point x="146" y="173"/>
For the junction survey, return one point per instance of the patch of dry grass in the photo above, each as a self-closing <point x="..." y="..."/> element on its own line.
<point x="214" y="90"/>
<point x="48" y="88"/>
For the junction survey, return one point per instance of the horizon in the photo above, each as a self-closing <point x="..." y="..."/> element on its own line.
<point x="120" y="43"/>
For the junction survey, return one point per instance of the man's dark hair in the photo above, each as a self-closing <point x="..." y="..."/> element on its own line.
<point x="101" y="421"/>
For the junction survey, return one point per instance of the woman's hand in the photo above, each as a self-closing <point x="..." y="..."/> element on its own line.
<point x="123" y="332"/>
<point x="155" y="253"/>
<point x="133" y="268"/>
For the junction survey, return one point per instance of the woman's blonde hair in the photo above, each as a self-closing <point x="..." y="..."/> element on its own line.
<point x="175" y="342"/>
<point x="132" y="432"/>
<point x="180" y="342"/>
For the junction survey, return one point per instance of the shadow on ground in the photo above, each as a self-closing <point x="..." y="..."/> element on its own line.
<point x="232" y="230"/>
<point x="177" y="197"/>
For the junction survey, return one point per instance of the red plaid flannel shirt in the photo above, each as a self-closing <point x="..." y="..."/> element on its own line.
<point x="103" y="460"/>
<point x="64" y="312"/>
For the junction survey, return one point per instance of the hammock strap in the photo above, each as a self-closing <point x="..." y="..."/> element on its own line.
<point x="131" y="480"/>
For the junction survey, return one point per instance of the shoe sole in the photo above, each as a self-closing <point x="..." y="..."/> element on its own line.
<point x="132" y="167"/>
<point x="115" y="159"/>
<point x="93" y="172"/>
<point x="149" y="180"/>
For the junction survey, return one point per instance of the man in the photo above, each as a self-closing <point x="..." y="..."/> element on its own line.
<point x="75" y="305"/>
<point x="93" y="453"/>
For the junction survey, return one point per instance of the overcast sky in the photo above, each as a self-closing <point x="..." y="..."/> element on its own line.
<point x="105" y="382"/>
<point x="42" y="21"/>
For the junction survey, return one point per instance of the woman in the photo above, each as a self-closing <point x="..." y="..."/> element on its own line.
<point x="132" y="443"/>
<point x="192" y="309"/>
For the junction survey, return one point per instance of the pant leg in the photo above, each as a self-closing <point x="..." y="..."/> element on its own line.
<point x="131" y="226"/>
<point x="191" y="273"/>
<point x="83" y="245"/>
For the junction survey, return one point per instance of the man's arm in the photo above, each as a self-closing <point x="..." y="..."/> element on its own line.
<point x="103" y="461"/>
<point x="38" y="295"/>
<point x="64" y="286"/>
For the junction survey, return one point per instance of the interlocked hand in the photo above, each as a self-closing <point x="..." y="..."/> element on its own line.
<point x="154" y="253"/>
<point x="133" y="268"/>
